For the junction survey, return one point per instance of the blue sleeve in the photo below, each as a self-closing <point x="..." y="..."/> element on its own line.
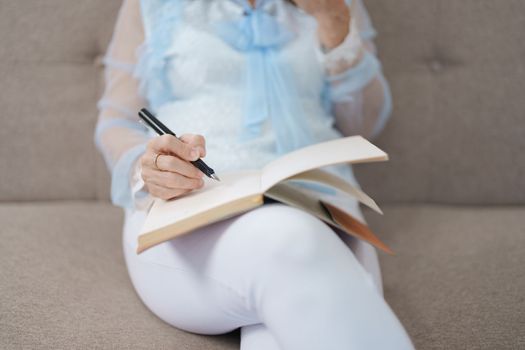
<point x="347" y="86"/>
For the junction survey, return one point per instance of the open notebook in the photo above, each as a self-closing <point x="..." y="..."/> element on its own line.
<point x="241" y="191"/>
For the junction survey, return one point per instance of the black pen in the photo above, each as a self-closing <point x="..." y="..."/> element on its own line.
<point x="162" y="129"/>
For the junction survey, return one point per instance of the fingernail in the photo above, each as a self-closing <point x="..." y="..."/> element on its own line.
<point x="201" y="182"/>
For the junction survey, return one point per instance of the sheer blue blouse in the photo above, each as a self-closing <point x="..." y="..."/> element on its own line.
<point x="260" y="68"/>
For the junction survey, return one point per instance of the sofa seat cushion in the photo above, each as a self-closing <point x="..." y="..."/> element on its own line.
<point x="458" y="279"/>
<point x="456" y="282"/>
<point x="64" y="284"/>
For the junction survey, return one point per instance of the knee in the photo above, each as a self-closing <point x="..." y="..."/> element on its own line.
<point x="286" y="234"/>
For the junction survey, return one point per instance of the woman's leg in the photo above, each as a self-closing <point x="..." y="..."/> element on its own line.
<point x="308" y="288"/>
<point x="274" y="265"/>
<point x="183" y="295"/>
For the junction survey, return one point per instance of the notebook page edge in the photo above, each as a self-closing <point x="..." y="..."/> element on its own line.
<point x="360" y="150"/>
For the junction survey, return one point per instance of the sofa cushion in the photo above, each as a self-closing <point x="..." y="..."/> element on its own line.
<point x="458" y="279"/>
<point x="456" y="70"/>
<point x="50" y="78"/>
<point x="64" y="284"/>
<point x="456" y="282"/>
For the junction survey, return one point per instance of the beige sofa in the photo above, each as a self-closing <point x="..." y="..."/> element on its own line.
<point x="453" y="192"/>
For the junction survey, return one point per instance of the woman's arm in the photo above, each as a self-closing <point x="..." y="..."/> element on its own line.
<point x="119" y="135"/>
<point x="357" y="92"/>
<point x="118" y="127"/>
<point x="127" y="148"/>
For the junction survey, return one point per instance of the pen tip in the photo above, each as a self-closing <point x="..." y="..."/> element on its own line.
<point x="215" y="177"/>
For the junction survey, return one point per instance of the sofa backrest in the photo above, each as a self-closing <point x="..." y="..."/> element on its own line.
<point x="456" y="70"/>
<point x="50" y="69"/>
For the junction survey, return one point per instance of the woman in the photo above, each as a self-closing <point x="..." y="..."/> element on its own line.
<point x="243" y="82"/>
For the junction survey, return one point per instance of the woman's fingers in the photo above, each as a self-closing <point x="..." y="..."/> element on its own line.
<point x="166" y="168"/>
<point x="177" y="165"/>
<point x="170" y="180"/>
<point x="195" y="140"/>
<point x="169" y="144"/>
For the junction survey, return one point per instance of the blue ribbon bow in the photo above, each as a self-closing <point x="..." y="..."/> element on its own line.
<point x="270" y="83"/>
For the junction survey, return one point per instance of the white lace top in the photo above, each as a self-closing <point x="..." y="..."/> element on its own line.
<point x="254" y="87"/>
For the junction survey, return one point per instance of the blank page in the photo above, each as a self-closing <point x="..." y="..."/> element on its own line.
<point x="233" y="186"/>
<point x="352" y="149"/>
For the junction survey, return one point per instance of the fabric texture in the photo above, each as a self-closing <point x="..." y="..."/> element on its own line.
<point x="456" y="88"/>
<point x="252" y="100"/>
<point x="64" y="283"/>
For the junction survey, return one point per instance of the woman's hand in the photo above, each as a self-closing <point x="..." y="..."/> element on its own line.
<point x="333" y="18"/>
<point x="173" y="175"/>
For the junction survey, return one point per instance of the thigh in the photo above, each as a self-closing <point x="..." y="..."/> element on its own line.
<point x="204" y="281"/>
<point x="230" y="241"/>
<point x="233" y="248"/>
<point x="185" y="298"/>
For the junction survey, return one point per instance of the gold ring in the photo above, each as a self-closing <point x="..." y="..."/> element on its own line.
<point x="155" y="161"/>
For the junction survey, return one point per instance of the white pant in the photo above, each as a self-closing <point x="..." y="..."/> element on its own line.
<point x="282" y="275"/>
